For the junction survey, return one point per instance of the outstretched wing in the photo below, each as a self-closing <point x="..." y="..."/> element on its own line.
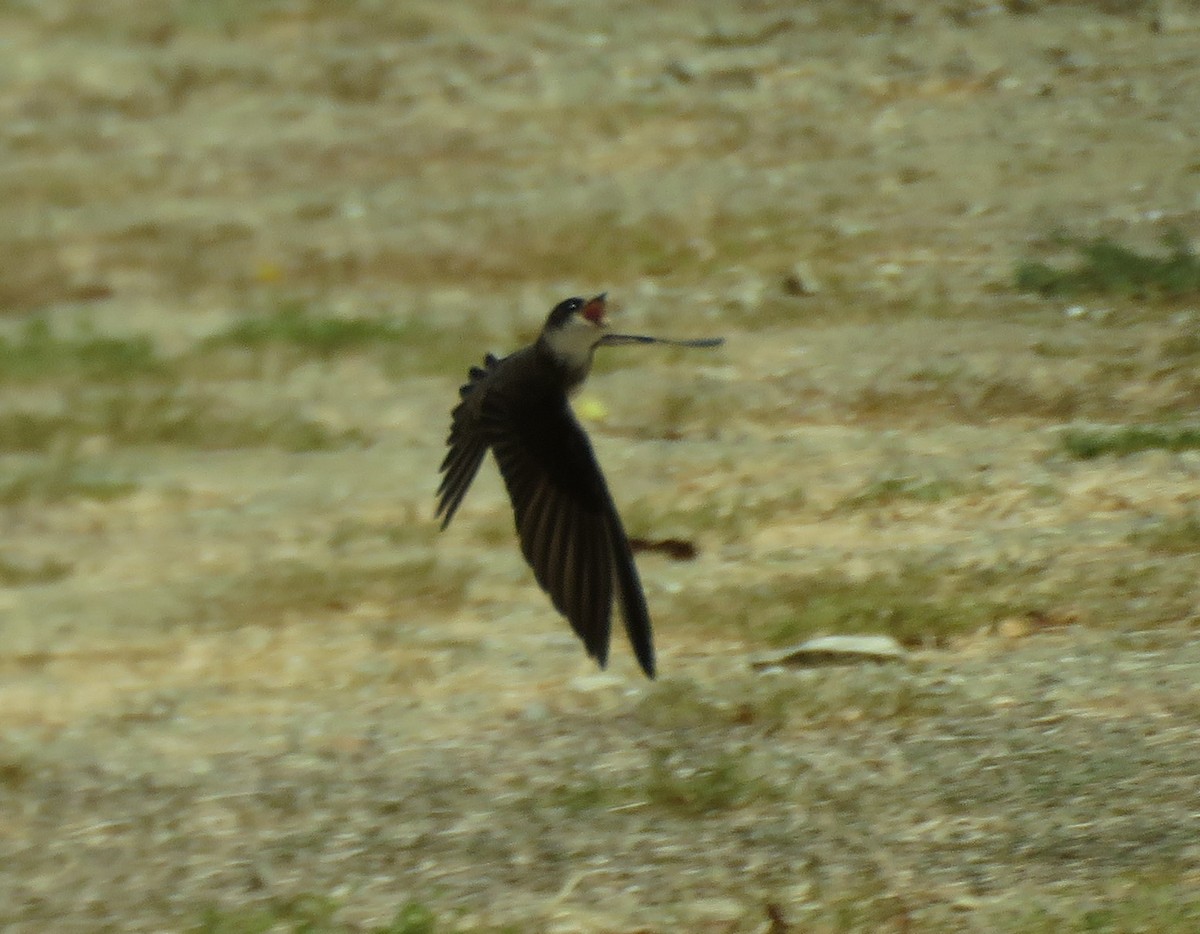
<point x="468" y="443"/>
<point x="570" y="532"/>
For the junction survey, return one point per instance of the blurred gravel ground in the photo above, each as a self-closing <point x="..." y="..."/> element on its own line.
<point x="246" y="686"/>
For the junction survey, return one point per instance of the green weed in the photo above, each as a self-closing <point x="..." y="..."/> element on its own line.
<point x="1181" y="347"/>
<point x="295" y="332"/>
<point x="314" y="914"/>
<point x="31" y="431"/>
<point x="917" y="605"/>
<point x="294" y="324"/>
<point x="16" y="774"/>
<point x="38" y="353"/>
<point x="580" y="792"/>
<point x="208" y="423"/>
<point x="1175" y="536"/>
<point x="616" y="244"/>
<point x="60" y="476"/>
<point x="731" y="513"/>
<point x="1107" y="268"/>
<point x="277" y="591"/>
<point x="1150" y="901"/>
<point x="678" y="704"/>
<point x="901" y="488"/>
<point x="24" y="573"/>
<point x="691" y="784"/>
<point x="137" y="415"/>
<point x="1090" y="443"/>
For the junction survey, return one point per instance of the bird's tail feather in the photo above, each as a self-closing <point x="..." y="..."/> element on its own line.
<point x="634" y="611"/>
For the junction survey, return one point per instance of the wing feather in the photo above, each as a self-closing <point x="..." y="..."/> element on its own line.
<point x="569" y="529"/>
<point x="570" y="532"/>
<point x="457" y="480"/>
<point x="634" y="611"/>
<point x="468" y="443"/>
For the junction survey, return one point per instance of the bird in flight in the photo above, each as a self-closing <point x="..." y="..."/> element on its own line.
<point x="570" y="532"/>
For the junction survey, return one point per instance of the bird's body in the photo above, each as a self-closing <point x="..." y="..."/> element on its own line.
<point x="570" y="532"/>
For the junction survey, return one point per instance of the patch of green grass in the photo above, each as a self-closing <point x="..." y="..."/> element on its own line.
<point x="233" y="18"/>
<point x="314" y="914"/>
<point x="693" y="784"/>
<point x="1138" y="593"/>
<point x="1175" y="536"/>
<point x="580" y="792"/>
<point x="917" y="605"/>
<point x="687" y="772"/>
<point x="1057" y="349"/>
<point x="413" y="918"/>
<point x="1133" y="590"/>
<point x="295" y="324"/>
<point x="276" y="591"/>
<point x="34" y="273"/>
<point x="865" y="903"/>
<point x="295" y="332"/>
<point x="836" y="695"/>
<point x="308" y="913"/>
<point x="495" y="529"/>
<point x="614" y="244"/>
<point x="901" y="488"/>
<point x="758" y="704"/>
<point x="694" y="405"/>
<point x="136" y="415"/>
<point x="911" y="606"/>
<point x="228" y="17"/>
<point x="16" y="772"/>
<point x="1090" y="443"/>
<point x="1162" y="902"/>
<point x="207" y="423"/>
<point x="401" y="531"/>
<point x="1107" y="268"/>
<point x="37" y="353"/>
<point x="972" y="398"/>
<point x="731" y="513"/>
<point x="25" y="573"/>
<point x="767" y="704"/>
<point x="677" y="704"/>
<point x="31" y="431"/>
<point x="60" y="476"/>
<point x="1181" y="347"/>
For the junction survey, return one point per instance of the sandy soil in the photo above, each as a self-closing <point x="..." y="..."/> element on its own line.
<point x="247" y="687"/>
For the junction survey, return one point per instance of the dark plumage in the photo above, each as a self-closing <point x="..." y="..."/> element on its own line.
<point x="568" y="525"/>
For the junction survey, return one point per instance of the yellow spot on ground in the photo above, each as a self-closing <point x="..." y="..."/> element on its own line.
<point x="591" y="409"/>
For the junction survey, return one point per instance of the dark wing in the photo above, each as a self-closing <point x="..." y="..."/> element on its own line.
<point x="570" y="532"/>
<point x="468" y="443"/>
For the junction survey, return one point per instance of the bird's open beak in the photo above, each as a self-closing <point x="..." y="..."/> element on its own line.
<point x="594" y="310"/>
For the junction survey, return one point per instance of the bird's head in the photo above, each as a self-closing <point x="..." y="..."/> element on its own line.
<point x="573" y="330"/>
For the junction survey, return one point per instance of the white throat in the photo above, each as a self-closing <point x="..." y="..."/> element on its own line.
<point x="572" y="345"/>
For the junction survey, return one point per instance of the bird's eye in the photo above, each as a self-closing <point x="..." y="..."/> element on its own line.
<point x="566" y="308"/>
<point x="564" y="311"/>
